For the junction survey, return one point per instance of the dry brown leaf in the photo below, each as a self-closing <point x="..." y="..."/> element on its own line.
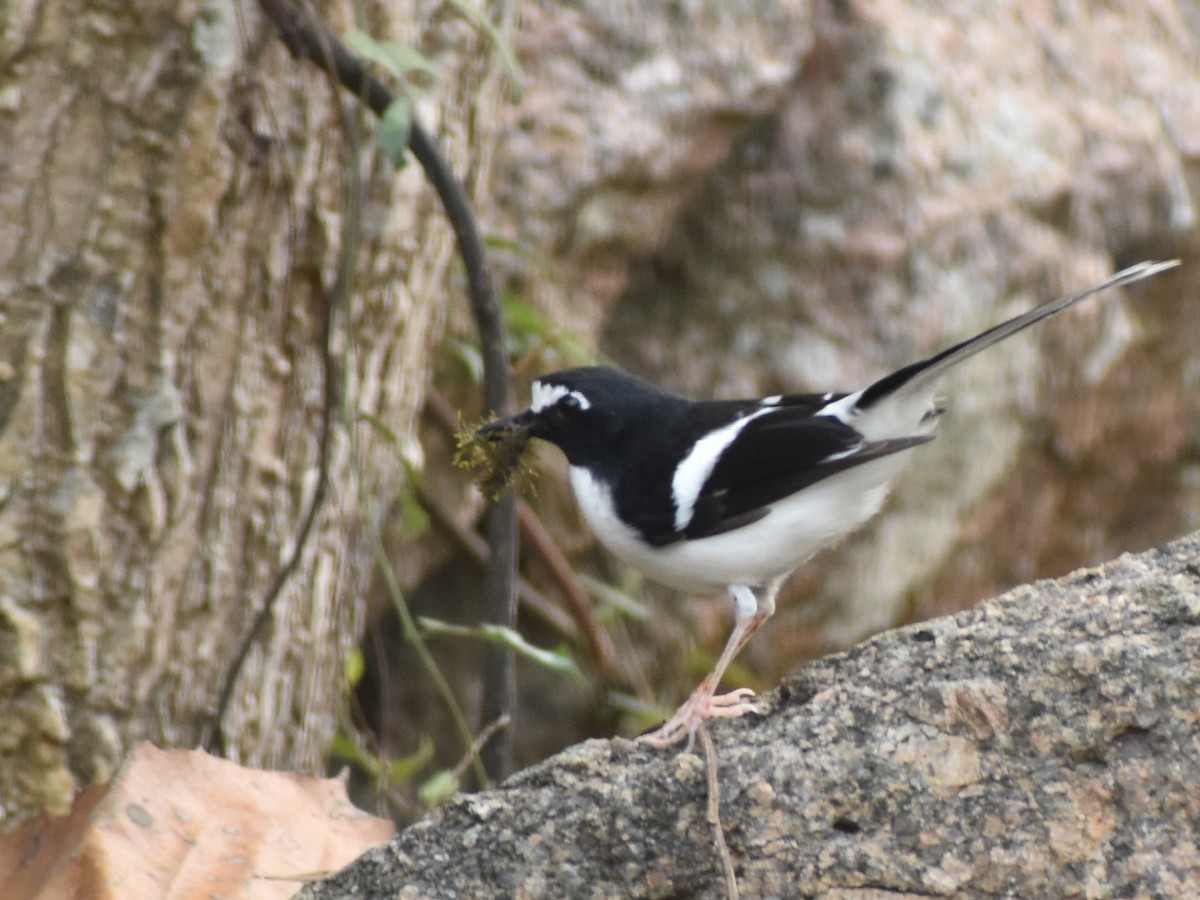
<point x="184" y="824"/>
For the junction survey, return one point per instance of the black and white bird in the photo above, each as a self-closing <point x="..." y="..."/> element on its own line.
<point x="735" y="494"/>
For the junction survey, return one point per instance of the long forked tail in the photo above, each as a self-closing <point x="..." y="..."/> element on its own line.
<point x="920" y="374"/>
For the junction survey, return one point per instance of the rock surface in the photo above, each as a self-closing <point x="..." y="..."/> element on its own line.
<point x="1045" y="744"/>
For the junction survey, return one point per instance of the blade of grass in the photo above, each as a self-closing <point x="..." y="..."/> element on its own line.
<point x="556" y="660"/>
<point x="475" y="15"/>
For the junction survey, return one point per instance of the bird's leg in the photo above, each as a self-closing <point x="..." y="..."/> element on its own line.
<point x="751" y="612"/>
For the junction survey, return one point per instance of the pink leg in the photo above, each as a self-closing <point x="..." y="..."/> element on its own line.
<point x="704" y="703"/>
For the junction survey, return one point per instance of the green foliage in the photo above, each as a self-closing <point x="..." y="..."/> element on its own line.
<point x="644" y="715"/>
<point x="383" y="429"/>
<point x="439" y="788"/>
<point x="558" y="660"/>
<point x="385" y="773"/>
<point x="533" y="339"/>
<point x="400" y="61"/>
<point x="613" y="601"/>
<point x="408" y="69"/>
<point x="393" y="129"/>
<point x="530" y="331"/>
<point x="353" y="668"/>
<point x="466" y="354"/>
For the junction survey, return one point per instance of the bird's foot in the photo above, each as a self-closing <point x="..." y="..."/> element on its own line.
<point x="701" y="705"/>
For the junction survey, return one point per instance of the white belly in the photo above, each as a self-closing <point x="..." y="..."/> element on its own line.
<point x="793" y="530"/>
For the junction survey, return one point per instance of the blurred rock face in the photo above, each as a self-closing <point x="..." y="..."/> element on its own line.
<point x="738" y="198"/>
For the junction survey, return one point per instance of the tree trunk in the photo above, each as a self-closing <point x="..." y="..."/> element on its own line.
<point x="171" y="231"/>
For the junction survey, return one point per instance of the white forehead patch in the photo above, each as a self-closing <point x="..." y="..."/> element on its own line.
<point x="543" y="396"/>
<point x="773" y="400"/>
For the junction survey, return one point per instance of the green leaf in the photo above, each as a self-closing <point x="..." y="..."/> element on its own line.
<point x="387" y="772"/>
<point x="470" y="358"/>
<point x="343" y="746"/>
<point x="413" y="514"/>
<point x="521" y="315"/>
<point x="614" y="598"/>
<point x="644" y="714"/>
<point x="515" y="246"/>
<point x="438" y="626"/>
<point x="529" y="328"/>
<point x="395" y="58"/>
<point x="406" y="768"/>
<point x="558" y="660"/>
<point x="353" y="668"/>
<point x="393" y="130"/>
<point x="439" y="788"/>
<point x="404" y="449"/>
<point x="475" y="15"/>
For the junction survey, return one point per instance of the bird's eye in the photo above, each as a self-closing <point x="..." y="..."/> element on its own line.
<point x="557" y="403"/>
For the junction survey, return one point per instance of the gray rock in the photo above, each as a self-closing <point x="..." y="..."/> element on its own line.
<point x="1046" y="743"/>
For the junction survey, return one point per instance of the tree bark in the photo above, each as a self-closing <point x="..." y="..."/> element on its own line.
<point x="171" y="233"/>
<point x="1041" y="745"/>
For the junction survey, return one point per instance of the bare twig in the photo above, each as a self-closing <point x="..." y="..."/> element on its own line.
<point x="480" y="742"/>
<point x="474" y="547"/>
<point x="713" y="814"/>
<point x="599" y="641"/>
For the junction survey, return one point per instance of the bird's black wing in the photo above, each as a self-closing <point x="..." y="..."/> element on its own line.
<point x="785" y="449"/>
<point x="775" y="456"/>
<point x="654" y="447"/>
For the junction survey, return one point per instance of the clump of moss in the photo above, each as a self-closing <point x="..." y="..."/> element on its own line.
<point x="497" y="458"/>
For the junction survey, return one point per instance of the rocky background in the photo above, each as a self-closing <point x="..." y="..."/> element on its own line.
<point x="726" y="197"/>
<point x="739" y="198"/>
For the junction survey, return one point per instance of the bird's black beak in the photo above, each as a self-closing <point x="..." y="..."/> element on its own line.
<point x="506" y="428"/>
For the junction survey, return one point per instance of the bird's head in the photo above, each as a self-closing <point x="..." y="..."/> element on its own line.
<point x="583" y="411"/>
